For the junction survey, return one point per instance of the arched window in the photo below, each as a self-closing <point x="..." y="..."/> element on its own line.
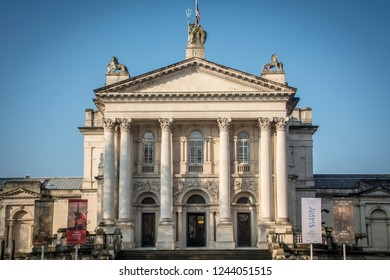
<point x="148" y="200"/>
<point x="243" y="148"/>
<point x="196" y="199"/>
<point x="148" y="152"/>
<point x="195" y="151"/>
<point x="243" y="200"/>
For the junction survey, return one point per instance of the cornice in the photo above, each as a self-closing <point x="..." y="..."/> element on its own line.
<point x="20" y="194"/>
<point x="191" y="66"/>
<point x="197" y="97"/>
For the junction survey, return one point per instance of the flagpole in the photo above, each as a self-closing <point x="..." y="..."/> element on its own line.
<point x="311" y="251"/>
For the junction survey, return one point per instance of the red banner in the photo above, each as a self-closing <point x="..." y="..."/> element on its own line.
<point x="77" y="221"/>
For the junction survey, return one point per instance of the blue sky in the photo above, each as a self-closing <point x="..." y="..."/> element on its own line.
<point x="54" y="53"/>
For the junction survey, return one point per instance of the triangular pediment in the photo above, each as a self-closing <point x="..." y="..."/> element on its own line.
<point x="195" y="76"/>
<point x="376" y="192"/>
<point x="20" y="194"/>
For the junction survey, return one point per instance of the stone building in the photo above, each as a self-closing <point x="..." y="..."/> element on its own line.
<point x="194" y="155"/>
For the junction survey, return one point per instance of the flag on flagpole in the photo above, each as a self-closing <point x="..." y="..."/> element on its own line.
<point x="197" y="11"/>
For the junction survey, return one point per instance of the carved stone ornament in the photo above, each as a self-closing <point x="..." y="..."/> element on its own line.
<point x="180" y="186"/>
<point x="223" y="123"/>
<point x="126" y="124"/>
<point x="166" y="123"/>
<point x="264" y="123"/>
<point x="115" y="66"/>
<point x="245" y="186"/>
<point x="108" y="124"/>
<point x="273" y="64"/>
<point x="280" y="123"/>
<point x="147" y="186"/>
<point x="196" y="34"/>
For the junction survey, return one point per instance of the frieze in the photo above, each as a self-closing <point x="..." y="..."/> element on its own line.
<point x="197" y="97"/>
<point x="180" y="186"/>
<point x="146" y="186"/>
<point x="244" y="185"/>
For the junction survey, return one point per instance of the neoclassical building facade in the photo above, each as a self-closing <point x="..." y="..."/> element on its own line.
<point x="195" y="155"/>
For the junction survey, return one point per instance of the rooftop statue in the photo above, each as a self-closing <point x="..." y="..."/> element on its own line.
<point x="196" y="34"/>
<point x="114" y="66"/>
<point x="274" y="63"/>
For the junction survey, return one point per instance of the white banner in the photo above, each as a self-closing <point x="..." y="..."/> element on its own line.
<point x="311" y="220"/>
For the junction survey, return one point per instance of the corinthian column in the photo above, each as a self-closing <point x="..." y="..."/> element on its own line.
<point x="108" y="215"/>
<point x="165" y="232"/>
<point x="225" y="226"/>
<point x="265" y="170"/>
<point x="224" y="170"/>
<point x="125" y="172"/>
<point x="281" y="169"/>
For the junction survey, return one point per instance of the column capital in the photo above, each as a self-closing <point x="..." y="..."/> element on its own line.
<point x="264" y="123"/>
<point x="223" y="123"/>
<point x="166" y="123"/>
<point x="125" y="124"/>
<point x="108" y="124"/>
<point x="281" y="123"/>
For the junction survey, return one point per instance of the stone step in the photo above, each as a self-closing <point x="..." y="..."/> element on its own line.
<point x="194" y="255"/>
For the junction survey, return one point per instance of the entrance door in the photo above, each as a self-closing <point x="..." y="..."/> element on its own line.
<point x="196" y="230"/>
<point x="243" y="229"/>
<point x="148" y="229"/>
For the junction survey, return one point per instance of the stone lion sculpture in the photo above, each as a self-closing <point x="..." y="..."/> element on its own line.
<point x="114" y="66"/>
<point x="274" y="63"/>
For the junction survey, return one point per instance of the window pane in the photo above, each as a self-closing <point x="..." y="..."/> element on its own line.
<point x="148" y="157"/>
<point x="243" y="147"/>
<point x="196" y="148"/>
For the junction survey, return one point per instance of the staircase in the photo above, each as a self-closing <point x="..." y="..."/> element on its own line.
<point x="194" y="255"/>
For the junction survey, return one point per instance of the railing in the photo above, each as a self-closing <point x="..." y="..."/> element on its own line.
<point x="195" y="168"/>
<point x="241" y="168"/>
<point x="148" y="168"/>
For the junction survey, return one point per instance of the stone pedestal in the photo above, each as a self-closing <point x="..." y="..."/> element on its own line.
<point x="225" y="238"/>
<point x="276" y="76"/>
<point x="115" y="77"/>
<point x="165" y="236"/>
<point x="262" y="233"/>
<point x="195" y="50"/>
<point x="127" y="230"/>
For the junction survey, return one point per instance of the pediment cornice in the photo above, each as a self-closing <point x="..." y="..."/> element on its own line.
<point x="376" y="192"/>
<point x="254" y="84"/>
<point x="20" y="194"/>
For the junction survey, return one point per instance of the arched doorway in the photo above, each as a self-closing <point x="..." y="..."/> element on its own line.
<point x="244" y="212"/>
<point x="20" y="229"/>
<point x="148" y="223"/>
<point x="196" y="221"/>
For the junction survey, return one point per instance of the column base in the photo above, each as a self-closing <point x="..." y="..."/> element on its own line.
<point x="127" y="230"/>
<point x="225" y="239"/>
<point x="108" y="222"/>
<point x="262" y="233"/>
<point x="165" y="236"/>
<point x="282" y="221"/>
